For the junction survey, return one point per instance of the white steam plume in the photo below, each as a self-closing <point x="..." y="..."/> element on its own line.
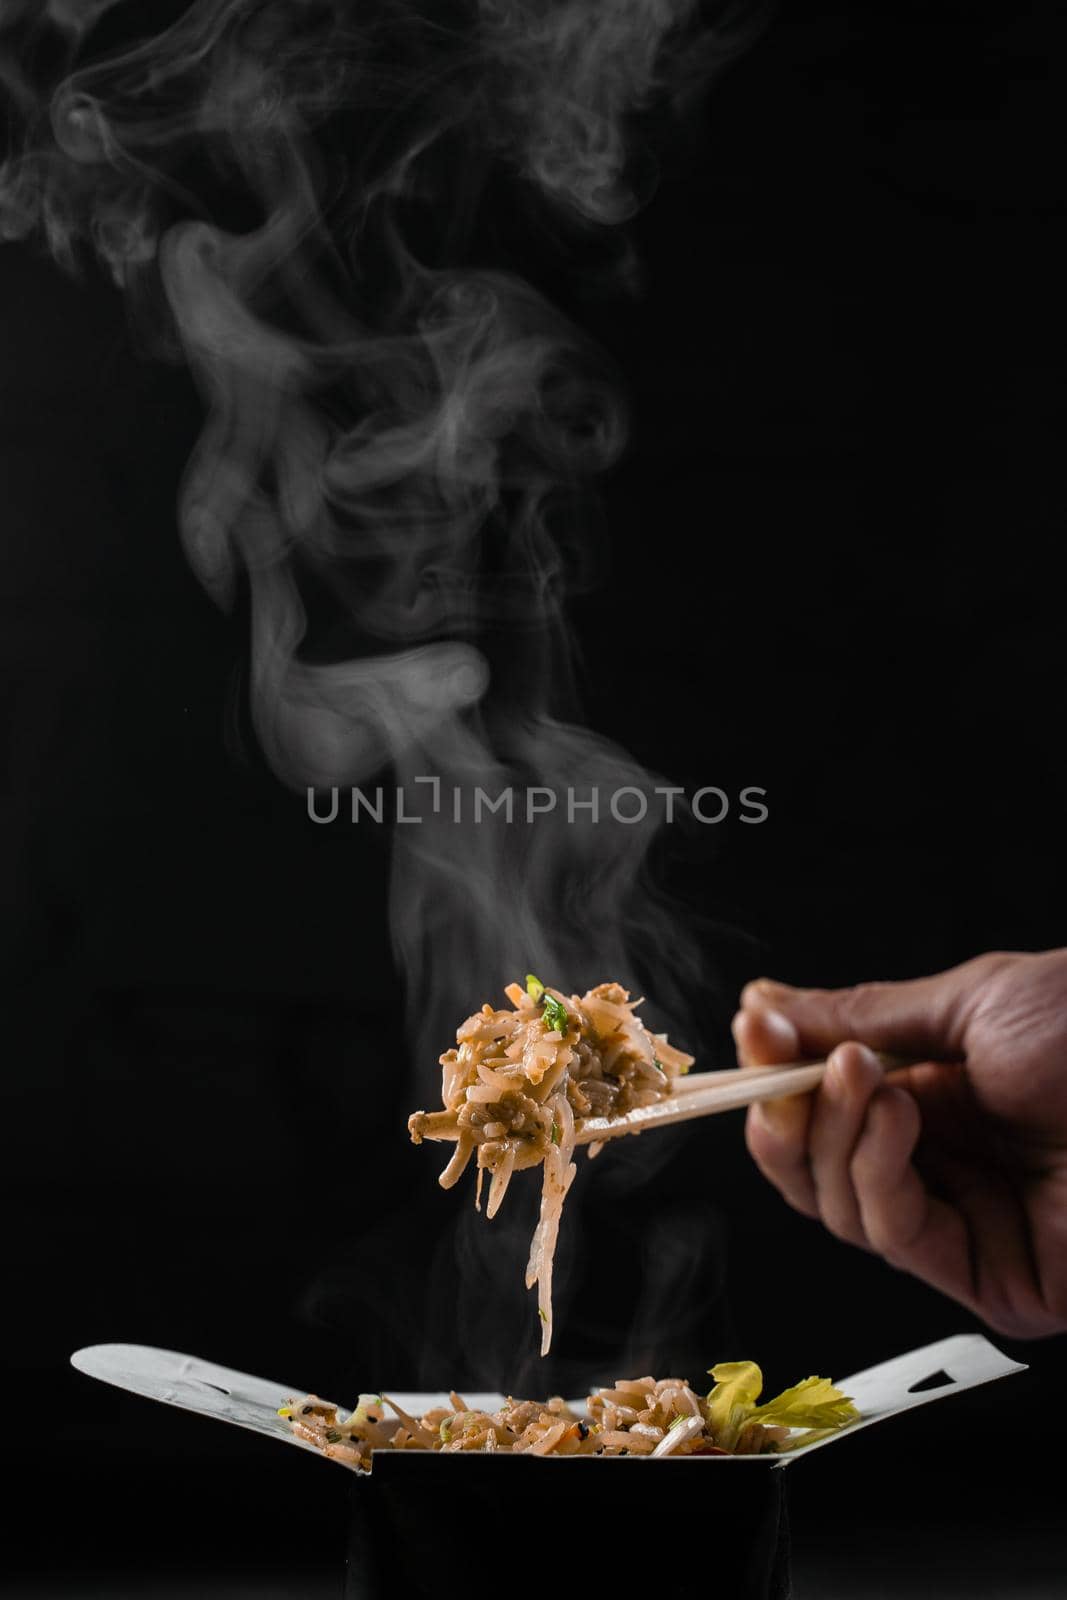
<point x="300" y="187"/>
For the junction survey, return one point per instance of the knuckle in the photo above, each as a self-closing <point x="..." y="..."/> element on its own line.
<point x="888" y="1239"/>
<point x="859" y="1169"/>
<point x="1035" y="1314"/>
<point x="982" y="969"/>
<point x="800" y="1199"/>
<point x="1013" y="1324"/>
<point x="841" y="1220"/>
<point x="854" y="1004"/>
<point x="888" y="1243"/>
<point x="756" y="1140"/>
<point x="786" y="1187"/>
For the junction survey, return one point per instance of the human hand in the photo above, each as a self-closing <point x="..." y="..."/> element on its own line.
<point x="954" y="1169"/>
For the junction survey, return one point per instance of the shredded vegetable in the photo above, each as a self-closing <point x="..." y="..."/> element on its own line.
<point x="636" y="1417"/>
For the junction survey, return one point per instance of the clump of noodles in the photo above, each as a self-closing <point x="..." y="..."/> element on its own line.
<point x="636" y="1417"/>
<point x="518" y="1078"/>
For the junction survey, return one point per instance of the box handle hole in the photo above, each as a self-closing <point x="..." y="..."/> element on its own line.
<point x="936" y="1380"/>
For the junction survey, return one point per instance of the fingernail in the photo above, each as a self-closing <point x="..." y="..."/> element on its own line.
<point x="771" y="987"/>
<point x="783" y="1031"/>
<point x="833" y="1080"/>
<point x="757" y="993"/>
<point x="847" y="1065"/>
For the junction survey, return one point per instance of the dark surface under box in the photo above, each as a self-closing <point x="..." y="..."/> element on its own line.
<point x="427" y="1525"/>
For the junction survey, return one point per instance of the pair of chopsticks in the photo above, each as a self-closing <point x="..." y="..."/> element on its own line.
<point x="699" y="1094"/>
<point x="703" y="1094"/>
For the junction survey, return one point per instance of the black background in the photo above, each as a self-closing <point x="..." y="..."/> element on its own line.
<point x="833" y="573"/>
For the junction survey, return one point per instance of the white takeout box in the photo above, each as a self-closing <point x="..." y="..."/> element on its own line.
<point x="933" y="1372"/>
<point x="411" y="1521"/>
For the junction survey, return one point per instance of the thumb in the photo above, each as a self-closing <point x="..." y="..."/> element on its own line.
<point x="923" y="1017"/>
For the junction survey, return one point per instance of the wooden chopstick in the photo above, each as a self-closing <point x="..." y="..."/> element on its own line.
<point x="692" y="1081"/>
<point x="700" y="1094"/>
<point x="712" y="1092"/>
<point x="727" y="1091"/>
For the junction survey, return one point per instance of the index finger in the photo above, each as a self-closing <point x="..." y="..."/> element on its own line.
<point x="776" y="1131"/>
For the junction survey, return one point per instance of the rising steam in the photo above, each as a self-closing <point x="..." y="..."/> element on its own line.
<point x="300" y="190"/>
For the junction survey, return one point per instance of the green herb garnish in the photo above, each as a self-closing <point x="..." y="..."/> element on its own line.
<point x="555" y="1133"/>
<point x="445" y="1432"/>
<point x="542" y="1314"/>
<point x="815" y="1403"/>
<point x="555" y="1013"/>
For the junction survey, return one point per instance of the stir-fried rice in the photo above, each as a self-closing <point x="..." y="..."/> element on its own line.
<point x="638" y="1417"/>
<point x="517" y="1080"/>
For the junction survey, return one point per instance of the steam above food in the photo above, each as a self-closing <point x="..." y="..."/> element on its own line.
<point x="519" y="1077"/>
<point x="639" y="1417"/>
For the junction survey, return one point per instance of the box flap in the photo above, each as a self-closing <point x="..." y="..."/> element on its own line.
<point x="934" y="1372"/>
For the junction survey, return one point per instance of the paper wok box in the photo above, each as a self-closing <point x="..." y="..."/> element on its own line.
<point x="516" y="1527"/>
